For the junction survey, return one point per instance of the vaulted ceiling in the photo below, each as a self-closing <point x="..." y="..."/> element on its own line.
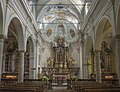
<point x="59" y="18"/>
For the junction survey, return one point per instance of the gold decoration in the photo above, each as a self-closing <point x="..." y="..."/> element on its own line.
<point x="49" y="62"/>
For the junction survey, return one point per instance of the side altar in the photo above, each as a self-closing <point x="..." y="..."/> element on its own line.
<point x="60" y="66"/>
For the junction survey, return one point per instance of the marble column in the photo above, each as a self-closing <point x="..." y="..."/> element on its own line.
<point x="13" y="63"/>
<point x="31" y="68"/>
<point x="93" y="68"/>
<point x="117" y="38"/>
<point x="80" y="62"/>
<point x="1" y="55"/>
<point x="21" y="67"/>
<point x="9" y="62"/>
<point x="4" y="58"/>
<point x="98" y="66"/>
<point x="84" y="68"/>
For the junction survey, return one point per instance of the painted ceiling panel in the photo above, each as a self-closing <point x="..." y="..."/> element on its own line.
<point x="59" y="18"/>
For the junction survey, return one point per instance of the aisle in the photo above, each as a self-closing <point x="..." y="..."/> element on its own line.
<point x="59" y="89"/>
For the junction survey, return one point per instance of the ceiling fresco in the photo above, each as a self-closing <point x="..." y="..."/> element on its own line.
<point x="59" y="18"/>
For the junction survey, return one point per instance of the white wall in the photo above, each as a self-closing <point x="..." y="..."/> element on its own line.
<point x="45" y="54"/>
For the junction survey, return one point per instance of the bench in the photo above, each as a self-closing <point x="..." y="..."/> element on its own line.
<point x="27" y="86"/>
<point x="40" y="85"/>
<point x="80" y="86"/>
<point x="102" y="90"/>
<point x="17" y="89"/>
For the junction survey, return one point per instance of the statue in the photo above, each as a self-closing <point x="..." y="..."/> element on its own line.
<point x="49" y="62"/>
<point x="71" y="61"/>
<point x="60" y="50"/>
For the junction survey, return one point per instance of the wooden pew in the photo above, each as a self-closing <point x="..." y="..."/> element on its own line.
<point x="27" y="86"/>
<point x="39" y="84"/>
<point x="92" y="87"/>
<point x="17" y="89"/>
<point x="78" y="85"/>
<point x="102" y="90"/>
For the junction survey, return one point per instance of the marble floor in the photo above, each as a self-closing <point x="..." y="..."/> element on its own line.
<point x="59" y="89"/>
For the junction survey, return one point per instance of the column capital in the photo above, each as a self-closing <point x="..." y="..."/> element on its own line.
<point x="2" y="36"/>
<point x="97" y="51"/>
<point x="21" y="51"/>
<point x="1" y="40"/>
<point x="117" y="37"/>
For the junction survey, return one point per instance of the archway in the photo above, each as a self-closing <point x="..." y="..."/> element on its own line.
<point x="11" y="55"/>
<point x="117" y="40"/>
<point x="1" y="37"/>
<point x="118" y="21"/>
<point x="29" y="60"/>
<point x="105" y="44"/>
<point x="1" y="19"/>
<point x="12" y="45"/>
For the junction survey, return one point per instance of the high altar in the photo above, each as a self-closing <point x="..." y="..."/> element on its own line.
<point x="61" y="66"/>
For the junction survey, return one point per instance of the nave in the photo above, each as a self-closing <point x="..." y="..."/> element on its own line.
<point x="72" y="86"/>
<point x="59" y="45"/>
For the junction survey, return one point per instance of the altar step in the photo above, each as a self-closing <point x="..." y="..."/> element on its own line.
<point x="59" y="90"/>
<point x="59" y="85"/>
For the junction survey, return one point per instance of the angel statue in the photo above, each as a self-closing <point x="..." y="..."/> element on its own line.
<point x="49" y="62"/>
<point x="70" y="61"/>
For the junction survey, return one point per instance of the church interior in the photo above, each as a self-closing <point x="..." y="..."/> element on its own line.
<point x="59" y="45"/>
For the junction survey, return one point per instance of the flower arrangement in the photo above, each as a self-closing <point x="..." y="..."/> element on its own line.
<point x="43" y="78"/>
<point x="72" y="77"/>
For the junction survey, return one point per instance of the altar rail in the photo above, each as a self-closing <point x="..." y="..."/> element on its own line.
<point x="111" y="82"/>
<point x="10" y="82"/>
<point x="6" y="82"/>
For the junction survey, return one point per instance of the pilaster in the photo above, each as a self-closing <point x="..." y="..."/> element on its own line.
<point x="117" y="40"/>
<point x="1" y="55"/>
<point x="21" y="66"/>
<point x="97" y="66"/>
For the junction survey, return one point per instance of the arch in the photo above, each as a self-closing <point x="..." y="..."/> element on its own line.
<point x="19" y="30"/>
<point x="99" y="31"/>
<point x="32" y="41"/>
<point x="76" y="7"/>
<point x="118" y="21"/>
<point x="29" y="54"/>
<point x="88" y="60"/>
<point x="1" y="18"/>
<point x="104" y="42"/>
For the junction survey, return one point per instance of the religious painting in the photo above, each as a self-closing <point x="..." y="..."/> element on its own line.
<point x="105" y="57"/>
<point x="72" y="33"/>
<point x="49" y="32"/>
<point x="60" y="50"/>
<point x="61" y="14"/>
<point x="61" y="29"/>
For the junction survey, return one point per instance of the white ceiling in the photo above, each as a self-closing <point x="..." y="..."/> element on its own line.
<point x="52" y="14"/>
